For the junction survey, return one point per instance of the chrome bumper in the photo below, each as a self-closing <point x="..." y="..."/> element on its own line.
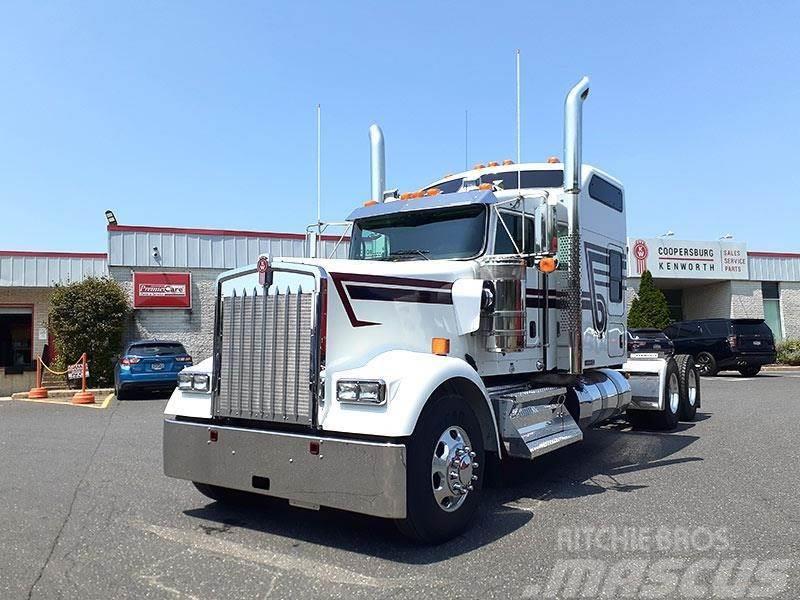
<point x="362" y="477"/>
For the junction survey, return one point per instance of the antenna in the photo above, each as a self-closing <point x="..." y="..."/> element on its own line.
<point x="319" y="162"/>
<point x="519" y="134"/>
<point x="466" y="139"/>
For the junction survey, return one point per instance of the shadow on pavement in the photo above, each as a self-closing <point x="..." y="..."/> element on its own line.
<point x="586" y="469"/>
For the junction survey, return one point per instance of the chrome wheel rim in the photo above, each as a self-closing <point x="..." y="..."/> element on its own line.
<point x="703" y="364"/>
<point x="673" y="390"/>
<point x="691" y="384"/>
<point x="453" y="469"/>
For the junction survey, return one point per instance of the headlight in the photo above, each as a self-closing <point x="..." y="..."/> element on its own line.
<point x="194" y="382"/>
<point x="361" y="392"/>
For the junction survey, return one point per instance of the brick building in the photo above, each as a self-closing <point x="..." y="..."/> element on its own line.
<point x="170" y="275"/>
<point x="720" y="279"/>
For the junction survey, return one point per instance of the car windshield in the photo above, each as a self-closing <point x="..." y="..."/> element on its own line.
<point x="156" y="349"/>
<point x="421" y="235"/>
<point x="751" y="328"/>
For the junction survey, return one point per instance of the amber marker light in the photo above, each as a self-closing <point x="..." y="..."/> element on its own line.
<point x="440" y="346"/>
<point x="547" y="264"/>
<point x="370" y="203"/>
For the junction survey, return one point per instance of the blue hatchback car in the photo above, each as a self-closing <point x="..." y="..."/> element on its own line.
<point x="149" y="365"/>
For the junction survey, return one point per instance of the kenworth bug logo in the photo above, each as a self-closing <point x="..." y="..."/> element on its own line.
<point x="640" y="253"/>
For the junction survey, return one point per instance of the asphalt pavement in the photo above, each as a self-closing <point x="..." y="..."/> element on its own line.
<point x="709" y="510"/>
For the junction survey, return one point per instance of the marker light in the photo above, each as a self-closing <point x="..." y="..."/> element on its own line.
<point x="370" y="203"/>
<point x="493" y="163"/>
<point x="486" y="186"/>
<point x="440" y="346"/>
<point x="508" y="161"/>
<point x="547" y="264"/>
<point x="479" y="166"/>
<point x="433" y="192"/>
<point x="553" y="160"/>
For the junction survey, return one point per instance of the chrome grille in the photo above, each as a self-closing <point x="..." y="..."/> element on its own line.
<point x="265" y="356"/>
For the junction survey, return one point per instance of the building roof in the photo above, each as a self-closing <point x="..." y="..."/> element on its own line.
<point x="43" y="269"/>
<point x="183" y="247"/>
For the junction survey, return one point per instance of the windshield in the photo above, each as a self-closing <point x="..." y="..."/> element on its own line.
<point x="156" y="349"/>
<point x="422" y="235"/>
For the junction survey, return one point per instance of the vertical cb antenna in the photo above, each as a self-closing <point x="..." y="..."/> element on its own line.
<point x="519" y="131"/>
<point x="466" y="139"/>
<point x="319" y="163"/>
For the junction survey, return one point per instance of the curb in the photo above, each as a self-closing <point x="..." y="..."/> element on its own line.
<point x="104" y="393"/>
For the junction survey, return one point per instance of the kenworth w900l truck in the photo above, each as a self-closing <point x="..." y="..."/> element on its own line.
<point x="479" y="319"/>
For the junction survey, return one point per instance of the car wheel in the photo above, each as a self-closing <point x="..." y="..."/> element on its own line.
<point x="444" y="479"/>
<point x="706" y="364"/>
<point x="689" y="381"/>
<point x="120" y="394"/>
<point x="750" y="370"/>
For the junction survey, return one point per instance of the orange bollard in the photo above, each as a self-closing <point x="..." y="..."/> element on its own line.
<point x="39" y="391"/>
<point x="83" y="397"/>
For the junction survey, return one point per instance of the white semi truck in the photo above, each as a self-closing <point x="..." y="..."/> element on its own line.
<point x="477" y="320"/>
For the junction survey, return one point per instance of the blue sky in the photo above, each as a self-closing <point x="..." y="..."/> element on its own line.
<point x="203" y="114"/>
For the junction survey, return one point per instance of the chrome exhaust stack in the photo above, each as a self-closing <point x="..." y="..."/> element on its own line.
<point x="377" y="163"/>
<point x="573" y="118"/>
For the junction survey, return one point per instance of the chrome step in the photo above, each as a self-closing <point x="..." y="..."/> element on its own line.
<point x="534" y="421"/>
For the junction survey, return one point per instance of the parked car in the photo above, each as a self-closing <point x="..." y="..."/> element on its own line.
<point x="149" y="365"/>
<point x="649" y="343"/>
<point x="743" y="345"/>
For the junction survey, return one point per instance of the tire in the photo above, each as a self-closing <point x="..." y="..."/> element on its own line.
<point x="689" y="381"/>
<point x="639" y="419"/>
<point x="667" y="418"/>
<point x="436" y="508"/>
<point x="706" y="364"/>
<point x="750" y="370"/>
<point x="121" y="394"/>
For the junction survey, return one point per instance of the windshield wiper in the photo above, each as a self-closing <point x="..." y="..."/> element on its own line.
<point x="410" y="252"/>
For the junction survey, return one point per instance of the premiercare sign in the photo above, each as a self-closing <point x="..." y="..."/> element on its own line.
<point x="162" y="290"/>
<point x="679" y="259"/>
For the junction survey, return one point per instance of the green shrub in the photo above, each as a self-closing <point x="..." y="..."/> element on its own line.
<point x="89" y="316"/>
<point x="789" y="352"/>
<point x="649" y="308"/>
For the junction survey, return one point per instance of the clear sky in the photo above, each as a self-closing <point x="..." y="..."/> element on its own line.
<point x="203" y="114"/>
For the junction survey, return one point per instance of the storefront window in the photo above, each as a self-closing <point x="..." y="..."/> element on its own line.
<point x="16" y="326"/>
<point x="770" y="293"/>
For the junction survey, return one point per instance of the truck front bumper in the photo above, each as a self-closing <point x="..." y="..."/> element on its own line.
<point x="312" y="471"/>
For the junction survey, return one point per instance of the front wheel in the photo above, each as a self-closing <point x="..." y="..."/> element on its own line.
<point x="444" y="471"/>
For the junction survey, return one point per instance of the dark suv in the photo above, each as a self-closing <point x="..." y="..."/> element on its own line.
<point x="742" y="345"/>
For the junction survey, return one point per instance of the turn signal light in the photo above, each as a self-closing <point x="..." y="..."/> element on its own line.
<point x="553" y="160"/>
<point x="440" y="346"/>
<point x="370" y="203"/>
<point x="547" y="264"/>
<point x="485" y="186"/>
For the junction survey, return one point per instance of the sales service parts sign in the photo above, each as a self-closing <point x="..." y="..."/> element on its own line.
<point x="162" y="290"/>
<point x="678" y="259"/>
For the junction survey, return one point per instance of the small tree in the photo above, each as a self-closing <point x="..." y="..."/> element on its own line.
<point x="89" y="316"/>
<point x="649" y="308"/>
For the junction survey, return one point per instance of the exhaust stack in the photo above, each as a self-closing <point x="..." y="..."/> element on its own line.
<point x="377" y="163"/>
<point x="573" y="121"/>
